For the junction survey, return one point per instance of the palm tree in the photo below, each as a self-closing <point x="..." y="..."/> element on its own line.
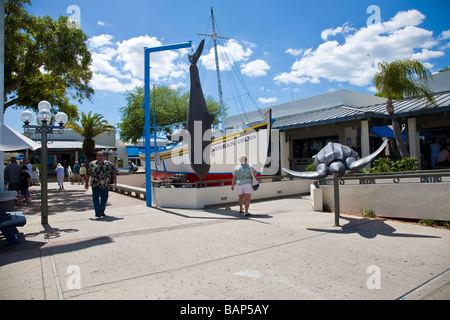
<point x="91" y="126"/>
<point x="407" y="77"/>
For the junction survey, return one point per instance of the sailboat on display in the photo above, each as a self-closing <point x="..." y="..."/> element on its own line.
<point x="195" y="153"/>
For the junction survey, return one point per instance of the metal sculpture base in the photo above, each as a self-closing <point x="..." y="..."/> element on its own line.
<point x="336" y="202"/>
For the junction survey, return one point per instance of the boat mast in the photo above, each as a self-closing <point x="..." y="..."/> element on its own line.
<point x="214" y="36"/>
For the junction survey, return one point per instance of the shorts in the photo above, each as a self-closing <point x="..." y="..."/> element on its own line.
<point x="24" y="192"/>
<point x="246" y="188"/>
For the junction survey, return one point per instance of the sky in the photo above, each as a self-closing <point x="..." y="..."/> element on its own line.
<point x="275" y="51"/>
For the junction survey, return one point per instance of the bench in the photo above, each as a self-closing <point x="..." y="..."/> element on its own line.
<point x="129" y="190"/>
<point x="9" y="221"/>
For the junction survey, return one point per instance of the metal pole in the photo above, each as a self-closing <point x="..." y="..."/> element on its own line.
<point x="216" y="55"/>
<point x="154" y="114"/>
<point x="336" y="202"/>
<point x="148" y="163"/>
<point x="2" y="87"/>
<point x="44" y="161"/>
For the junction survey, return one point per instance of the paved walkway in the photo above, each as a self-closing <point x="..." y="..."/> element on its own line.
<point x="283" y="251"/>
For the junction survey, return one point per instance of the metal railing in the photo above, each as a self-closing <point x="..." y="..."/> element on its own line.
<point x="423" y="176"/>
<point x="169" y="183"/>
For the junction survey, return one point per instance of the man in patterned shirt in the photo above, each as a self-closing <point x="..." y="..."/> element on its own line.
<point x="101" y="172"/>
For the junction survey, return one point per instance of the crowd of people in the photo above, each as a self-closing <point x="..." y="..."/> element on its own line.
<point x="100" y="173"/>
<point x="18" y="178"/>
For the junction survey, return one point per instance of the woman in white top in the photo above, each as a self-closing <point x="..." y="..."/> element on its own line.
<point x="60" y="176"/>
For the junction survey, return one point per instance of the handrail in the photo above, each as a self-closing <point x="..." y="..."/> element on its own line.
<point x="424" y="175"/>
<point x="201" y="184"/>
<point x="396" y="176"/>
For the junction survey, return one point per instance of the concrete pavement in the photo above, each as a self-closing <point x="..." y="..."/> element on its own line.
<point x="283" y="251"/>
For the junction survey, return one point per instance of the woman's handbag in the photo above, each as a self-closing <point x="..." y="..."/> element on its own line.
<point x="255" y="183"/>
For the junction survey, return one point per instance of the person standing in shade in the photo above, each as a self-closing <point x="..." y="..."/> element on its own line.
<point x="101" y="172"/>
<point x="12" y="172"/>
<point x="76" y="173"/>
<point x="435" y="148"/>
<point x="24" y="182"/>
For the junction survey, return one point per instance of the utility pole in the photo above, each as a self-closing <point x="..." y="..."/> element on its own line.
<point x="214" y="36"/>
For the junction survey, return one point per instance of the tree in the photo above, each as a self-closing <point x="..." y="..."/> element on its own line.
<point x="171" y="108"/>
<point x="44" y="60"/>
<point x="91" y="126"/>
<point x="397" y="79"/>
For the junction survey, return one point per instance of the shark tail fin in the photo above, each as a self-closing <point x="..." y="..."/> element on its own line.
<point x="194" y="58"/>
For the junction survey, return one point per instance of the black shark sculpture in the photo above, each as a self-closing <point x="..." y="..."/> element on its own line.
<point x="199" y="120"/>
<point x="336" y="159"/>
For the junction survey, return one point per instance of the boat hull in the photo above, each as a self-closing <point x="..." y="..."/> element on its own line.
<point x="223" y="151"/>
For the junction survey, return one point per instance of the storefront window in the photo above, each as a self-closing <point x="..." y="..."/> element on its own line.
<point x="306" y="148"/>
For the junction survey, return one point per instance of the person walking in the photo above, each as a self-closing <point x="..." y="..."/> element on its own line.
<point x="60" y="176"/>
<point x="242" y="178"/>
<point x="101" y="172"/>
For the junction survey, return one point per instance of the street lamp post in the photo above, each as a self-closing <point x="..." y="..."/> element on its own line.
<point x="44" y="116"/>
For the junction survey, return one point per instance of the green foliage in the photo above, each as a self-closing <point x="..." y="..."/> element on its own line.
<point x="368" y="213"/>
<point x="311" y="167"/>
<point x="427" y="222"/>
<point x="434" y="223"/>
<point x="44" y="60"/>
<point x="171" y="108"/>
<point x="398" y="78"/>
<point x="389" y="165"/>
<point x="90" y="126"/>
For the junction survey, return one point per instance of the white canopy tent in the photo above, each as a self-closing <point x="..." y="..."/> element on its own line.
<point x="11" y="140"/>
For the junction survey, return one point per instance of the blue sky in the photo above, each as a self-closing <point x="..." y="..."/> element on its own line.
<point x="282" y="50"/>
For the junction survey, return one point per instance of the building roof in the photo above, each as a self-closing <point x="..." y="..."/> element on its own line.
<point x="402" y="108"/>
<point x="72" y="145"/>
<point x="327" y="100"/>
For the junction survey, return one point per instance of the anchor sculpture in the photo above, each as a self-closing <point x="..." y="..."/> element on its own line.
<point x="336" y="159"/>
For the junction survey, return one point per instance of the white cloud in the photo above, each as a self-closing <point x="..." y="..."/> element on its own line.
<point x="99" y="41"/>
<point x="355" y="58"/>
<point x="295" y="52"/>
<point x="332" y="32"/>
<point x="255" y="68"/>
<point x="268" y="100"/>
<point x="230" y="53"/>
<point x="101" y="23"/>
<point x="120" y="66"/>
<point x="445" y="35"/>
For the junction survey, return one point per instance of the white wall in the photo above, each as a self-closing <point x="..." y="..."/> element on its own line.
<point x="402" y="200"/>
<point x="197" y="198"/>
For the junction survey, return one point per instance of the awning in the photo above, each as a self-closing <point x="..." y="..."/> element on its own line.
<point x="382" y="131"/>
<point x="133" y="152"/>
<point x="11" y="140"/>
